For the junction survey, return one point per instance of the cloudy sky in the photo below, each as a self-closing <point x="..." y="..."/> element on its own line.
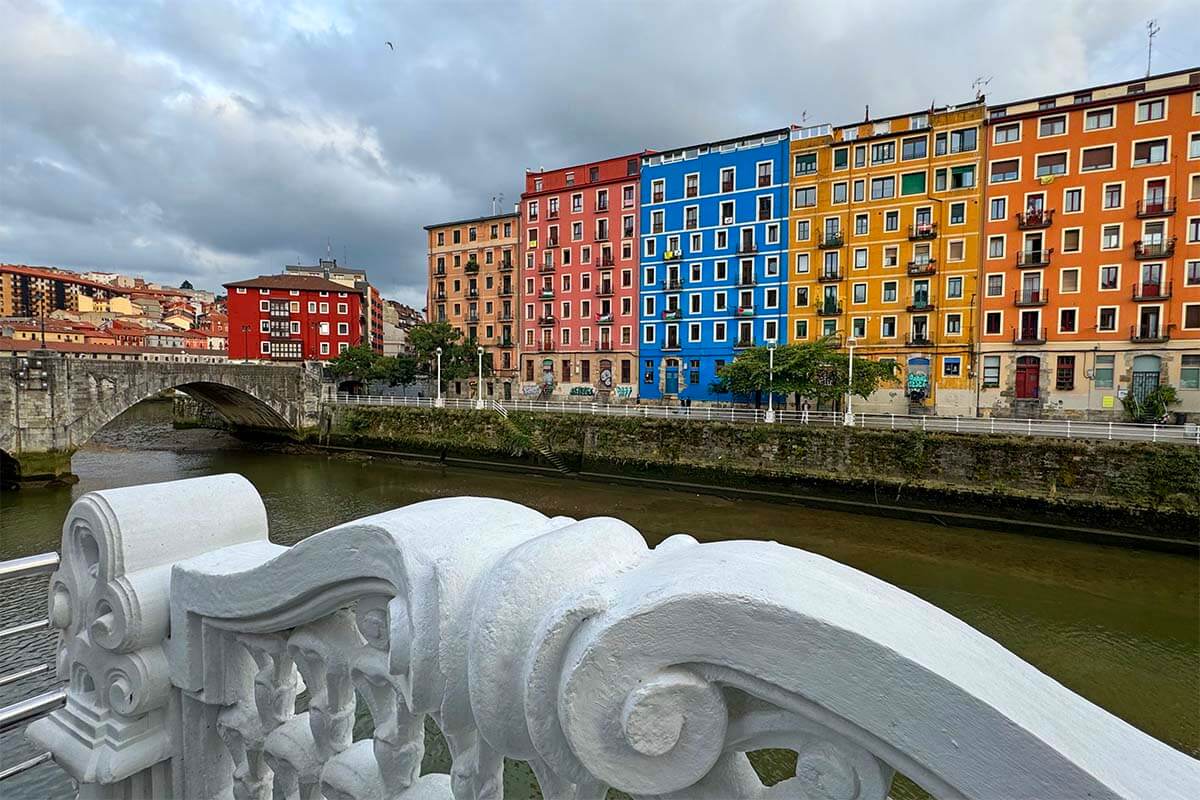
<point x="218" y="140"/>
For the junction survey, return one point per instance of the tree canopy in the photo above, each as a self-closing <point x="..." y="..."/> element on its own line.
<point x="459" y="358"/>
<point x="817" y="370"/>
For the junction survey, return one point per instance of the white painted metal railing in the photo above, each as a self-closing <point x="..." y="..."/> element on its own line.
<point x="1057" y="428"/>
<point x="571" y="645"/>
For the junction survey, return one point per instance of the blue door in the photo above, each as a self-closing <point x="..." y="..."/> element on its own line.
<point x="672" y="378"/>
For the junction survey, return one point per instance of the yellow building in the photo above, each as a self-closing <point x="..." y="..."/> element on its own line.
<point x="885" y="245"/>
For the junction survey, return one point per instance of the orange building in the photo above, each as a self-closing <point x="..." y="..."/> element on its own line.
<point x="1091" y="266"/>
<point x="473" y="287"/>
<point x="884" y="250"/>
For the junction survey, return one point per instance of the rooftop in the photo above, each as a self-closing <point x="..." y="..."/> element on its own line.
<point x="292" y="282"/>
<point x="60" y="275"/>
<point x="512" y="215"/>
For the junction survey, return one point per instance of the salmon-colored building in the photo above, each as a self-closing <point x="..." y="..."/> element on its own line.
<point x="579" y="279"/>
<point x="1090" y="277"/>
<point x="472" y="286"/>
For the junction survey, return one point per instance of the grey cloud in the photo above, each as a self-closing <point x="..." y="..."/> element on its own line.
<point x="217" y="140"/>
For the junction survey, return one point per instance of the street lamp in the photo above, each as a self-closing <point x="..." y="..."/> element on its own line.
<point x="771" y="382"/>
<point x="439" y="402"/>
<point x="479" y="386"/>
<point x="245" y="345"/>
<point x="848" y="419"/>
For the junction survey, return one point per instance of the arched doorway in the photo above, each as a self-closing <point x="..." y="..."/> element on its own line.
<point x="1028" y="373"/>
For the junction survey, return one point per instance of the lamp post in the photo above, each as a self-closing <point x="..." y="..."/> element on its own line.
<point x="439" y="402"/>
<point x="771" y="382"/>
<point x="479" y="385"/>
<point x="848" y="419"/>
<point x="245" y="344"/>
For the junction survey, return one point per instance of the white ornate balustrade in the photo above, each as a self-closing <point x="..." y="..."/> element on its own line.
<point x="187" y="638"/>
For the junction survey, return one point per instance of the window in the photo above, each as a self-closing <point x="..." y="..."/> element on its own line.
<point x="995" y="285"/>
<point x="1110" y="237"/>
<point x="860" y="258"/>
<point x="891" y="221"/>
<point x="803" y="230"/>
<point x="840" y="192"/>
<point x="801" y="263"/>
<point x="343" y="308"/>
<point x="1112" y="195"/>
<point x="1191" y="316"/>
<point x="860" y="156"/>
<point x="1007" y="170"/>
<point x="1009" y="132"/>
<point x="1052" y="126"/>
<point x="860" y="293"/>
<point x="1151" y="152"/>
<point x="883" y="187"/>
<point x="963" y="141"/>
<point x="951" y="366"/>
<point x="883" y="153"/>
<point x="841" y="158"/>
<point x="1064" y="374"/>
<point x="891" y="256"/>
<point x="991" y="372"/>
<point x="804" y="197"/>
<point x="1051" y="164"/>
<point x="1151" y="110"/>
<point x="805" y="164"/>
<point x="1071" y="237"/>
<point x="1103" y="371"/>
<point x="1194" y="146"/>
<point x="954" y="287"/>
<point x="890" y="291"/>
<point x="912" y="183"/>
<point x="691" y="185"/>
<point x="995" y="247"/>
<point x="1193" y="230"/>
<point x="1068" y="281"/>
<point x="953" y="324"/>
<point x="1191" y="275"/>
<point x="1072" y="201"/>
<point x="858" y="327"/>
<point x="1094" y="158"/>
<point x="962" y="177"/>
<point x="1106" y="318"/>
<point x="801" y="329"/>
<point x="993" y="321"/>
<point x="998" y="208"/>
<point x="913" y="148"/>
<point x="1066" y="320"/>
<point x="862" y="224"/>
<point x="939" y="180"/>
<point x="1110" y="277"/>
<point x="801" y="296"/>
<point x="958" y="213"/>
<point x="1189" y="373"/>
<point x="887" y="327"/>
<point x="343" y="329"/>
<point x="956" y="250"/>
<point x="1098" y="119"/>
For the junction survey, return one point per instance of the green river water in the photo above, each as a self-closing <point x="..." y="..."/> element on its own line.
<point x="1119" y="626"/>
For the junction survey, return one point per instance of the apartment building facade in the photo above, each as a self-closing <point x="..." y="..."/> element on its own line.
<point x="579" y="280"/>
<point x="1091" y="271"/>
<point x="292" y="318"/>
<point x="329" y="269"/>
<point x="473" y="286"/>
<point x="885" y="220"/>
<point x="38" y="291"/>
<point x="714" y="234"/>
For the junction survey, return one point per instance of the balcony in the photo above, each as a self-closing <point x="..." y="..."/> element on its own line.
<point x="747" y="248"/>
<point x="829" y="310"/>
<point x="1148" y="250"/>
<point x="471" y="266"/>
<point x="604" y="262"/>
<point x="830" y="276"/>
<point x="439" y="271"/>
<point x="506" y="266"/>
<point x="472" y="294"/>
<point x="627" y="233"/>
<point x="918" y="339"/>
<point x="604" y="290"/>
<point x="742" y="344"/>
<point x="672" y="284"/>
<point x="602" y="346"/>
<point x="1024" y="298"/>
<point x="672" y="255"/>
<point x="831" y="240"/>
<point x="507" y="343"/>
<point x="440" y="295"/>
<point x="602" y="236"/>
<point x="727" y="185"/>
<point x="604" y="319"/>
<point x="601" y="205"/>
<point x="546" y="293"/>
<point x="552" y="214"/>
<point x="552" y="242"/>
<point x="505" y="316"/>
<point x="1144" y="292"/>
<point x="472" y="316"/>
<point x="746" y="281"/>
<point x="922" y="231"/>
<point x="921" y="267"/>
<point x="672" y="316"/>
<point x="745" y="311"/>
<point x="656" y="227"/>
<point x="1034" y="258"/>
<point x="546" y="268"/>
<point x="1149" y="334"/>
<point x="656" y="197"/>
<point x="1032" y="220"/>
<point x="545" y="347"/>
<point x="671" y="344"/>
<point x="919" y="306"/>
<point x="547" y="319"/>
<point x="505" y="291"/>
<point x="1162" y="207"/>
<point x="1025" y="335"/>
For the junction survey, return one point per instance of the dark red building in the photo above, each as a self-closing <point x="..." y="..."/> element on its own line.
<point x="293" y="318"/>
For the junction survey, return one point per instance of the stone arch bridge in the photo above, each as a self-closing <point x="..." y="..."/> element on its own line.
<point x="51" y="404"/>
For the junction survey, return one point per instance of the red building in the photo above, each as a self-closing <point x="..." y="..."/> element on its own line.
<point x="579" y="278"/>
<point x="293" y="318"/>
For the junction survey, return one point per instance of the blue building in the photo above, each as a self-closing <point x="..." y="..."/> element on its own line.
<point x="713" y="261"/>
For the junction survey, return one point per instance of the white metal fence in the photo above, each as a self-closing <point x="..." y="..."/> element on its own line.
<point x="1063" y="429"/>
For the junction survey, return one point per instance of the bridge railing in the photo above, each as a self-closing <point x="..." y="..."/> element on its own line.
<point x="1057" y="428"/>
<point x="649" y="670"/>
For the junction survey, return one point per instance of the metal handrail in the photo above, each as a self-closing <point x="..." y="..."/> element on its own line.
<point x="30" y="708"/>
<point x="23" y="567"/>
<point x="24" y="766"/>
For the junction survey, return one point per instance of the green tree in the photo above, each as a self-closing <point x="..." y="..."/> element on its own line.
<point x="399" y="370"/>
<point x="818" y="370"/>
<point x="356" y="362"/>
<point x="1152" y="407"/>
<point x="459" y="358"/>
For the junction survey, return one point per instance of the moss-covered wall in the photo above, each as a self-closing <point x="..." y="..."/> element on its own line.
<point x="1078" y="482"/>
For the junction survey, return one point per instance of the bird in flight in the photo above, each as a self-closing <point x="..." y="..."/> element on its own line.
<point x="390" y="45"/>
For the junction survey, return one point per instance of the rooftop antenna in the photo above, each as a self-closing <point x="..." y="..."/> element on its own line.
<point x="1152" y="30"/>
<point x="867" y="118"/>
<point x="979" y="84"/>
<point x="328" y="248"/>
